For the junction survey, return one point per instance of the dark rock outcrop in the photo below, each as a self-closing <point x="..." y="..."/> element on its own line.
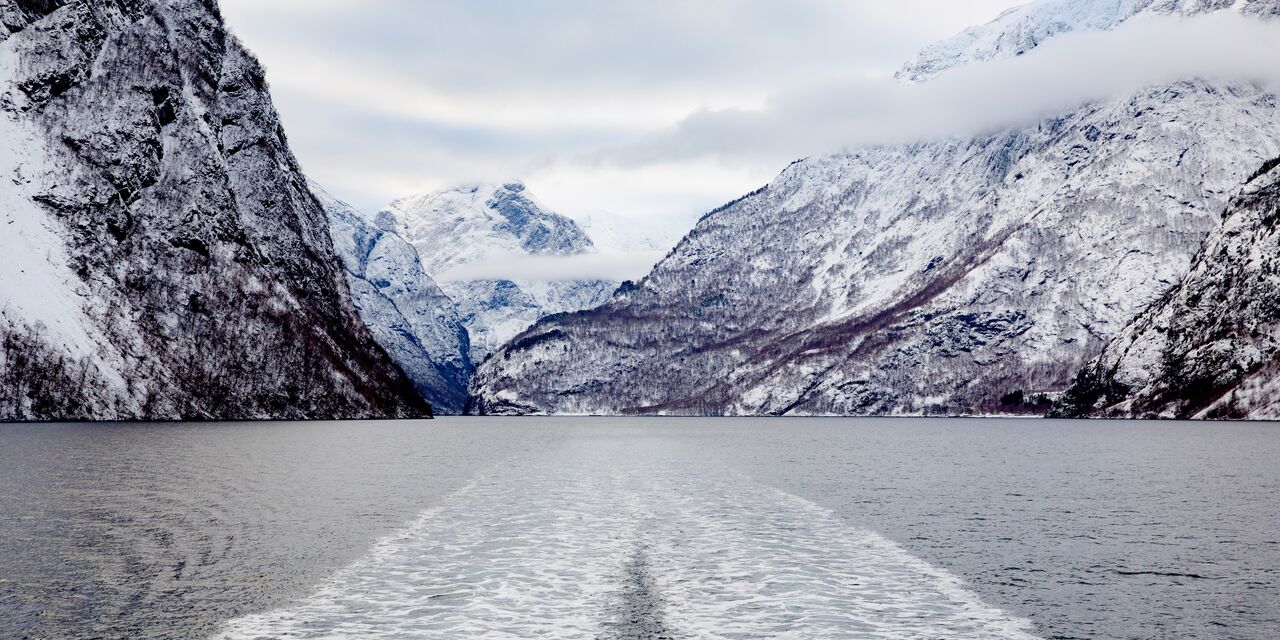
<point x="1210" y="348"/>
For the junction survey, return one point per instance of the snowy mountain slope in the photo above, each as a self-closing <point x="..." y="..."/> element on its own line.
<point x="1210" y="348"/>
<point x="1025" y="27"/>
<point x="172" y="262"/>
<point x="465" y="232"/>
<point x="41" y="301"/>
<point x="407" y="313"/>
<point x="934" y="278"/>
<point x="949" y="276"/>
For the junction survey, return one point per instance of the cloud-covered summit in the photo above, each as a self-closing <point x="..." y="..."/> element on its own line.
<point x="972" y="99"/>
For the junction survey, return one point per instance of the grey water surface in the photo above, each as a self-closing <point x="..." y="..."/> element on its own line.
<point x="641" y="528"/>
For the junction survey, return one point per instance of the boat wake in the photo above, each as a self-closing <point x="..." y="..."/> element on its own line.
<point x="605" y="539"/>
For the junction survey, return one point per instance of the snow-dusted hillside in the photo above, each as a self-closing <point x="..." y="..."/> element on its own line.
<point x="1210" y="348"/>
<point x="1025" y="27"/>
<point x="163" y="257"/>
<point x="475" y="239"/>
<point x="933" y="278"/>
<point x="407" y="313"/>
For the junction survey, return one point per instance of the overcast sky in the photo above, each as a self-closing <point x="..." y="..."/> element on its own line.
<point x="383" y="98"/>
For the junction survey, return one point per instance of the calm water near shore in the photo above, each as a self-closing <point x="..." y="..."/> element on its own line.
<point x="641" y="528"/>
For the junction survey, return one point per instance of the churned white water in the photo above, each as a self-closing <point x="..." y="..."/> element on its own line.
<point x="608" y="538"/>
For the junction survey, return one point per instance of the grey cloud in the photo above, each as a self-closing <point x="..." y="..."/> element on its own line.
<point x="385" y="97"/>
<point x="526" y="268"/>
<point x="1060" y="75"/>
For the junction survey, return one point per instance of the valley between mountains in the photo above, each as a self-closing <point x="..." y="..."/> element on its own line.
<point x="165" y="257"/>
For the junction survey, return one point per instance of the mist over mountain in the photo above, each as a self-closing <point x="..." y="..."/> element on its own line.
<point x="467" y="233"/>
<point x="1027" y="26"/>
<point x="950" y="276"/>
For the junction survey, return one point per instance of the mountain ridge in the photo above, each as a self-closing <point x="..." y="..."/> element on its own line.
<point x="934" y="278"/>
<point x="408" y="314"/>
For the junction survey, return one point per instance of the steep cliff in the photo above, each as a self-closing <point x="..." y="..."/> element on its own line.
<point x="1210" y="347"/>
<point x="164" y="257"/>
<point x="407" y="313"/>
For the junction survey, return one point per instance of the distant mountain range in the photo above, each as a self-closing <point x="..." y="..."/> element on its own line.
<point x="489" y="225"/>
<point x="438" y="332"/>
<point x="408" y="314"/>
<point x="164" y="257"/>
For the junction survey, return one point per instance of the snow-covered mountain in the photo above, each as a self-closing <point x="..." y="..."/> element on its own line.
<point x="163" y="257"/>
<point x="1025" y="27"/>
<point x="477" y="241"/>
<point x="946" y="276"/>
<point x="1210" y="348"/>
<point x="407" y="313"/>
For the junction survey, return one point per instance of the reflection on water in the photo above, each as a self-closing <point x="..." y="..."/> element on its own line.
<point x="641" y="529"/>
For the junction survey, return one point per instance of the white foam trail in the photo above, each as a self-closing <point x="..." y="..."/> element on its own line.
<point x="606" y="540"/>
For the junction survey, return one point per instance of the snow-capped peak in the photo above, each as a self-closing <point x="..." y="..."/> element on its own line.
<point x="407" y="313"/>
<point x="483" y="243"/>
<point x="1023" y="28"/>
<point x="483" y="221"/>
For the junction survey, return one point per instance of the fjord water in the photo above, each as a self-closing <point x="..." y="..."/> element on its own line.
<point x="641" y="528"/>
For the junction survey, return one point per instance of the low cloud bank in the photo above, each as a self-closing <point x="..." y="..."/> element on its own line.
<point x="526" y="268"/>
<point x="1064" y="73"/>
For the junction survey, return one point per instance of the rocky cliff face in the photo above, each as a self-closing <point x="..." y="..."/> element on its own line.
<point x="1210" y="347"/>
<point x="464" y="231"/>
<point x="168" y="260"/>
<point x="407" y="313"/>
<point x="951" y="276"/>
